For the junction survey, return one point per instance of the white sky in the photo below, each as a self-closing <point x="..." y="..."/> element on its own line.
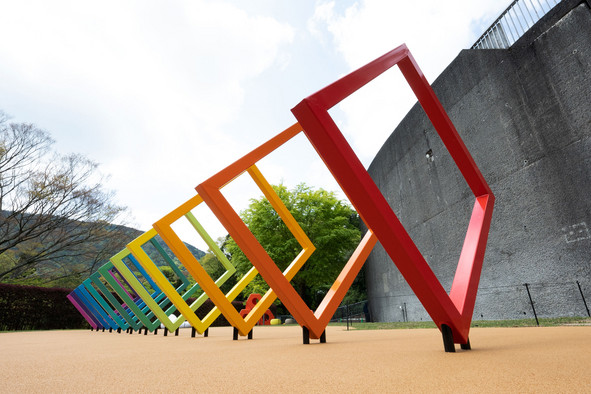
<point x="166" y="94"/>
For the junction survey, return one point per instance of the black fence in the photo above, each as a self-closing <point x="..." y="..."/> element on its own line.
<point x="506" y="302"/>
<point x="351" y="312"/>
<point x="534" y="299"/>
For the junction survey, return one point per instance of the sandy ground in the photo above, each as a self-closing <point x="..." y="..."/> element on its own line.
<point x="520" y="360"/>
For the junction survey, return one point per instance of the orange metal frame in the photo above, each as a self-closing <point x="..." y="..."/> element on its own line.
<point x="254" y="251"/>
<point x="223" y="302"/>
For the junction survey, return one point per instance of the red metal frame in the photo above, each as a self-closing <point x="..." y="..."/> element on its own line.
<point x="455" y="309"/>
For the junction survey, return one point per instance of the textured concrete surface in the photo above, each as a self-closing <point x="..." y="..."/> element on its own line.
<point x="502" y="360"/>
<point x="525" y="115"/>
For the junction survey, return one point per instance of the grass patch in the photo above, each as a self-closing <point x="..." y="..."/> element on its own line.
<point x="387" y="326"/>
<point x="544" y="322"/>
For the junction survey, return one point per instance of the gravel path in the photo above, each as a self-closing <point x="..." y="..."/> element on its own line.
<point x="546" y="359"/>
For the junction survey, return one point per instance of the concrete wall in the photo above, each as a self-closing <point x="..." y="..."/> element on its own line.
<point x="525" y="115"/>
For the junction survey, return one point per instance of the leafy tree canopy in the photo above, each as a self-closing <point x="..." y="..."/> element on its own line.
<point x="331" y="224"/>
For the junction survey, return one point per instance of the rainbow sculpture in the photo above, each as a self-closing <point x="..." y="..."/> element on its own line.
<point x="149" y="307"/>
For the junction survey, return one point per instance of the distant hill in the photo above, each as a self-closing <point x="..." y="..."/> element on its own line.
<point x="130" y="234"/>
<point x="90" y="258"/>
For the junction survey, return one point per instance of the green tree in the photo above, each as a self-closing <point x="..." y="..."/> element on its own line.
<point x="52" y="207"/>
<point x="331" y="224"/>
<point x="171" y="276"/>
<point x="215" y="269"/>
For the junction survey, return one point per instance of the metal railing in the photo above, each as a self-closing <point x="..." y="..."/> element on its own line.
<point x="518" y="18"/>
<point x="349" y="313"/>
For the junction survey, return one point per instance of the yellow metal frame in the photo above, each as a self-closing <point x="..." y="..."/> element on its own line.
<point x="187" y="311"/>
<point x="136" y="248"/>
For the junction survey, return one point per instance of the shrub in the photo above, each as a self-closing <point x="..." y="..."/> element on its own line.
<point x="37" y="308"/>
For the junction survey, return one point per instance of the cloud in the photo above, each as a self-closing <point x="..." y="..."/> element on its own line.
<point x="434" y="31"/>
<point x="165" y="94"/>
<point x="150" y="90"/>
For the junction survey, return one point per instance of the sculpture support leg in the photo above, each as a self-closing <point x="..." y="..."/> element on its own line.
<point x="448" y="339"/>
<point x="466" y="346"/>
<point x="306" y="335"/>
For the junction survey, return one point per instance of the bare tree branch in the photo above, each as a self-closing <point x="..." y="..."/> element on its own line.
<point x="51" y="206"/>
